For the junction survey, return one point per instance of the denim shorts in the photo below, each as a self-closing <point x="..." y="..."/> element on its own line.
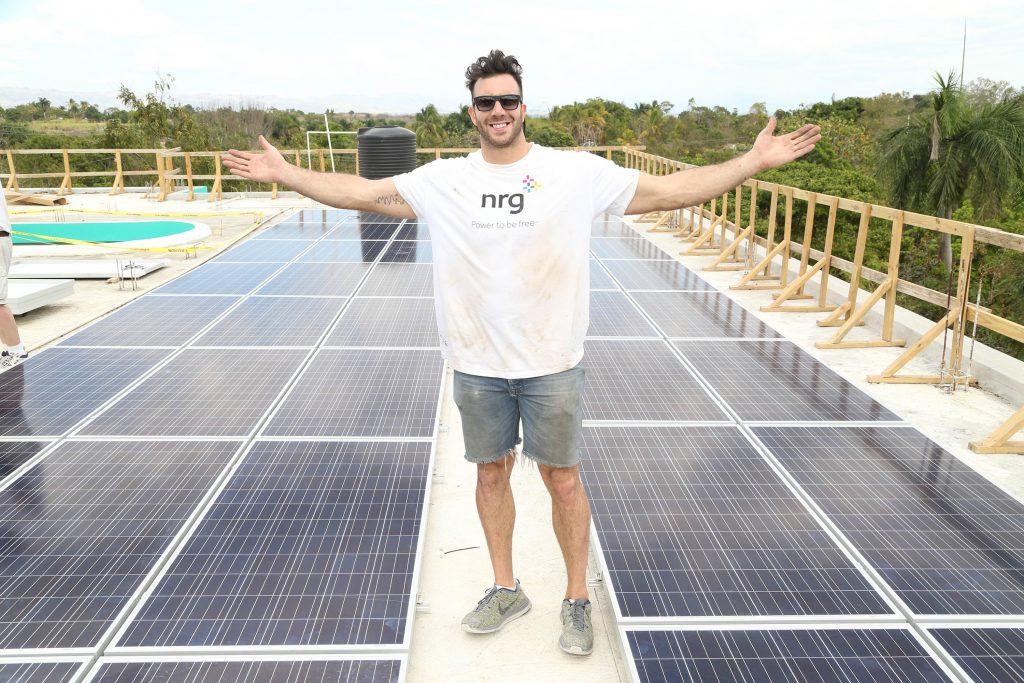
<point x="550" y="407"/>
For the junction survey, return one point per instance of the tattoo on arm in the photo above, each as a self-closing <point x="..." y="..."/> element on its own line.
<point x="389" y="200"/>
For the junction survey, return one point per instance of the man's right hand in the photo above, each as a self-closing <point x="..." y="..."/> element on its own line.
<point x="268" y="167"/>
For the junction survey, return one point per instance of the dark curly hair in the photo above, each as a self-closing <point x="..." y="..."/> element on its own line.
<point x="497" y="62"/>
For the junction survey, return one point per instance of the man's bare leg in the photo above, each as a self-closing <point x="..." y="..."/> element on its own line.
<point x="570" y="517"/>
<point x="497" y="509"/>
<point x="8" y="328"/>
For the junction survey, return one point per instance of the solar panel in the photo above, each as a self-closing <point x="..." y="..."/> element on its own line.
<point x="414" y="231"/>
<point x="948" y="541"/>
<point x="52" y="391"/>
<point x="778" y="381"/>
<point x="642" y="381"/>
<point x="400" y="279"/>
<point x="39" y="672"/>
<point x="356" y="392"/>
<point x="220" y="278"/>
<point x="81" y="530"/>
<point x="693" y="522"/>
<point x="599" y="278"/>
<point x="14" y="454"/>
<point x="613" y="227"/>
<point x="271" y="251"/>
<point x="795" y="656"/>
<point x="202" y="392"/>
<point x="613" y="315"/>
<point x="316" y="279"/>
<point x="263" y="671"/>
<point x="344" y="251"/>
<point x="409" y="252"/>
<point x="656" y="275"/>
<point x="391" y="322"/>
<point x="308" y="231"/>
<point x="700" y="314"/>
<point x="310" y="543"/>
<point x="324" y="215"/>
<point x="274" y="321"/>
<point x="365" y="230"/>
<point x="627" y="248"/>
<point x="989" y="655"/>
<point x="153" y="321"/>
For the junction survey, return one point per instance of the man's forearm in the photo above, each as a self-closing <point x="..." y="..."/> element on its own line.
<point x="697" y="185"/>
<point x="347" y="191"/>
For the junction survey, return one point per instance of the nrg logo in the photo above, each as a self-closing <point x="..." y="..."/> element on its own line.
<point x="515" y="201"/>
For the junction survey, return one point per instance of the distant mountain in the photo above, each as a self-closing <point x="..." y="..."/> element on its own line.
<point x="393" y="103"/>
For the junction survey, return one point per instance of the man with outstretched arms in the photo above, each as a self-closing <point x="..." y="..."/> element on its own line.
<point x="510" y="226"/>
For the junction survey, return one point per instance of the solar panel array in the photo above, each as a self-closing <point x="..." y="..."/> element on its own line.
<point x="233" y="465"/>
<point x="759" y="518"/>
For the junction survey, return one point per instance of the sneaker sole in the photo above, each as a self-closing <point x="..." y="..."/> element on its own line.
<point x="469" y="629"/>
<point x="575" y="650"/>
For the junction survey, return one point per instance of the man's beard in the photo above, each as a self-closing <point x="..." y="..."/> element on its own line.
<point x="485" y="134"/>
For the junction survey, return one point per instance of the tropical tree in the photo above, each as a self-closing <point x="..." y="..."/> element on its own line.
<point x="952" y="151"/>
<point x="429" y="126"/>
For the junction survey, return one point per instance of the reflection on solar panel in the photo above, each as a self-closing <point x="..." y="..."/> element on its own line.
<point x="153" y="321"/>
<point x="316" y="279"/>
<point x="414" y="231"/>
<point x="310" y="543"/>
<point x="277" y="671"/>
<point x="365" y="230"/>
<point x="220" y="278"/>
<point x="400" y="279"/>
<point x="344" y="251"/>
<point x="612" y="315"/>
<point x="989" y="655"/>
<point x="778" y="381"/>
<point x="202" y="392"/>
<point x="599" y="278"/>
<point x="326" y="215"/>
<point x="52" y="391"/>
<point x="409" y="252"/>
<point x="948" y="541"/>
<point x="307" y="230"/>
<point x="656" y="275"/>
<point x="613" y="227"/>
<point x="355" y="392"/>
<point x="274" y="321"/>
<point x="693" y="522"/>
<point x="386" y="322"/>
<point x="781" y="656"/>
<point x="700" y="314"/>
<point x="83" y="527"/>
<point x="627" y="248"/>
<point x="14" y="454"/>
<point x="271" y="251"/>
<point x="642" y="380"/>
<point x="39" y="672"/>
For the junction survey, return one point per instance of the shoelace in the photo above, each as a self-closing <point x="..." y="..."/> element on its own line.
<point x="486" y="600"/>
<point x="577" y="612"/>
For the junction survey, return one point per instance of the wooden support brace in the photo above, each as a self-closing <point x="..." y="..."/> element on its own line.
<point x="888" y="376"/>
<point x="65" y="185"/>
<point x="701" y="244"/>
<point x="117" y="187"/>
<point x="188" y="175"/>
<point x="855" y="319"/>
<point x="846" y="310"/>
<point x="666" y="218"/>
<point x="745" y="281"/>
<point x="216" y="191"/>
<point x="12" y="180"/>
<point x="999" y="440"/>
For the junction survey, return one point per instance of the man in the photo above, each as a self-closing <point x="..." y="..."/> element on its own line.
<point x="511" y="229"/>
<point x="15" y="351"/>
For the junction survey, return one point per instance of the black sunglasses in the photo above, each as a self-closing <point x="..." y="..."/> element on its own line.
<point x="486" y="102"/>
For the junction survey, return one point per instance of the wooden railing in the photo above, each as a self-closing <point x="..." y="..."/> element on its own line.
<point x="708" y="230"/>
<point x="173" y="165"/>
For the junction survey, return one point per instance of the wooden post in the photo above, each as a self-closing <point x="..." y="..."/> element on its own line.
<point x="844" y="312"/>
<point x="765" y="265"/>
<point x="12" y="180"/>
<point x="188" y="176"/>
<point x="822" y="266"/>
<point x="65" y="185"/>
<point x="895" y="246"/>
<point x="812" y="205"/>
<point x="323" y="165"/>
<point x="608" y="154"/>
<point x="117" y="187"/>
<point x="729" y="259"/>
<point x="216" y="192"/>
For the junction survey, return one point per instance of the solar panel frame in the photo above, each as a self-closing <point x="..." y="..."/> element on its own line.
<point x="85" y="557"/>
<point x="693" y="555"/>
<point x="663" y="275"/>
<point x="404" y="251"/>
<point x="985" y="654"/>
<point x="777" y="381"/>
<point x="219" y="278"/>
<point x="916" y="514"/>
<point x="612" y="314"/>
<point x="599" y="277"/>
<point x="631" y="248"/>
<point x="344" y="251"/>
<point x="696" y="315"/>
<point x="316" y="279"/>
<point x="400" y="280"/>
<point x="274" y="321"/>
<point x="39" y="670"/>
<point x="263" y="251"/>
<point x="16" y="454"/>
<point x="371" y="230"/>
<point x="394" y="322"/>
<point x="283" y="669"/>
<point x="156" y="321"/>
<point x="304" y="525"/>
<point x="414" y="230"/>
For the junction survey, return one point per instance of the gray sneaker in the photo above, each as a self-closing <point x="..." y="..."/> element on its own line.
<point x="9" y="360"/>
<point x="577" y="629"/>
<point x="498" y="607"/>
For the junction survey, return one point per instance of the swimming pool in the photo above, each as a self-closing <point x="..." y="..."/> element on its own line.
<point x="125" y="233"/>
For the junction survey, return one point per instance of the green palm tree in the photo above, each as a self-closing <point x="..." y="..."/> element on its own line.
<point x="429" y="127"/>
<point x="953" y="151"/>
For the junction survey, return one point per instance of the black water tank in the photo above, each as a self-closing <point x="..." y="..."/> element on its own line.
<point x="386" y="151"/>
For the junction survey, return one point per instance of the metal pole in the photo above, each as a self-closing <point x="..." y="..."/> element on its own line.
<point x="309" y="154"/>
<point x="330" y="147"/>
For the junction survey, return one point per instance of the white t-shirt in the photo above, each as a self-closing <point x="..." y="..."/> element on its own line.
<point x="511" y="245"/>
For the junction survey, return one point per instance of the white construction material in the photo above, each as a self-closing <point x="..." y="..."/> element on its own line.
<point x="86" y="269"/>
<point x="26" y="295"/>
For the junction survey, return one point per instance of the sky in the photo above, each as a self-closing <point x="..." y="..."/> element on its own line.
<point x="398" y="56"/>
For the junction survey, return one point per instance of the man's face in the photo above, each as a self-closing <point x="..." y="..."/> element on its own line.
<point x="498" y="127"/>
